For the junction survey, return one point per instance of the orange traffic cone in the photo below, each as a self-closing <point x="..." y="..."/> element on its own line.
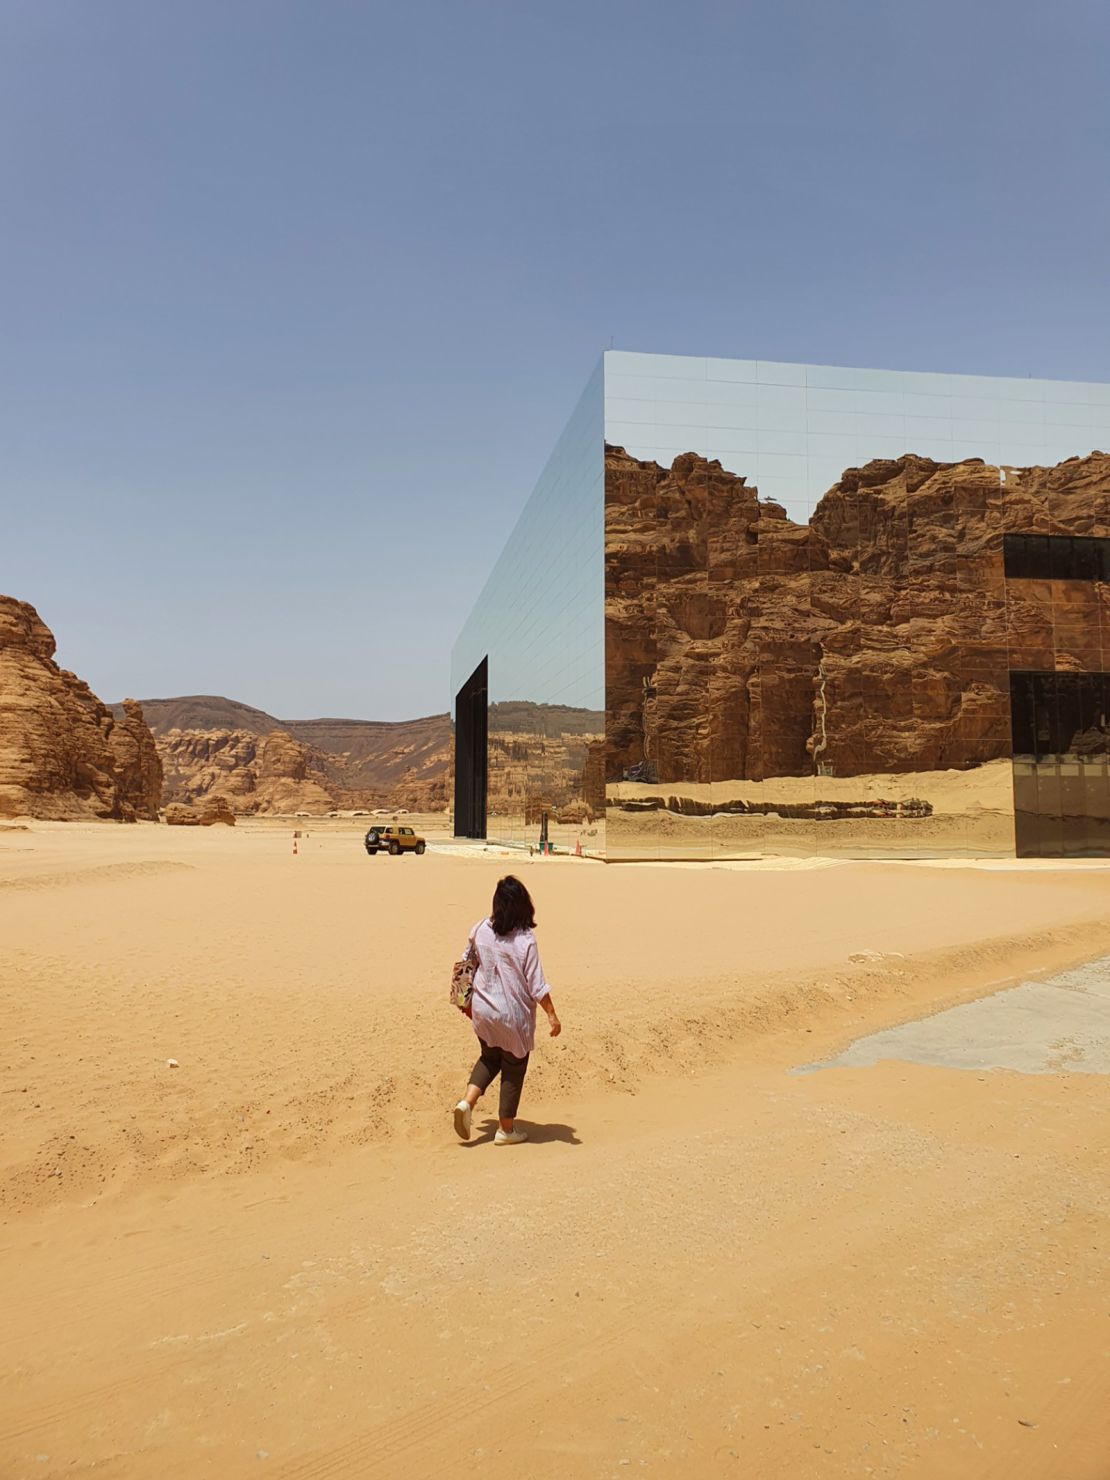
<point x="578" y="848"/>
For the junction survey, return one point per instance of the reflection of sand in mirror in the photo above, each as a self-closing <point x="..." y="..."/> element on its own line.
<point x="916" y="813"/>
<point x="545" y="761"/>
<point x="1062" y="805"/>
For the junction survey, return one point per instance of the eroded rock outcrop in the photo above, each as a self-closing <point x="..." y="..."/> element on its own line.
<point x="209" y="812"/>
<point x="877" y="638"/>
<point x="546" y="758"/>
<point x="138" y="766"/>
<point x="63" y="755"/>
<point x="207" y="741"/>
<point x="271" y="773"/>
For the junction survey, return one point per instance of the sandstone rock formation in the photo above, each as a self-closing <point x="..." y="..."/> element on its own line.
<point x="546" y="758"/>
<point x="138" y="766"/>
<point x="63" y="754"/>
<point x="269" y="774"/>
<point x="211" y="810"/>
<point x="877" y="638"/>
<point x="321" y="765"/>
<point x="550" y="753"/>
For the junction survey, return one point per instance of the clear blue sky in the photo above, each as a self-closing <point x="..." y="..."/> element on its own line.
<point x="296" y="296"/>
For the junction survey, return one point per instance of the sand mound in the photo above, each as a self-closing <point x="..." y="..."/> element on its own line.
<point x="99" y="873"/>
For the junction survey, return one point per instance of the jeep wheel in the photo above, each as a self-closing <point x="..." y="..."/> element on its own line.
<point x="419" y="847"/>
<point x="371" y="851"/>
<point x="395" y="847"/>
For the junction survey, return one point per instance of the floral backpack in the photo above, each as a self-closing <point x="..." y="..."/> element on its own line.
<point x="462" y="979"/>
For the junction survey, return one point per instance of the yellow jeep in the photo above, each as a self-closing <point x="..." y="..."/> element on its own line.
<point x="393" y="840"/>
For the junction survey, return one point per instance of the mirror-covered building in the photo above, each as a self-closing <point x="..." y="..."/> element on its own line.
<point x="528" y="668"/>
<point x="817" y="610"/>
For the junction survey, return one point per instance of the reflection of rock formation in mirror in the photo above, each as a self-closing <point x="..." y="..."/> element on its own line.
<point x="861" y="661"/>
<point x="544" y="759"/>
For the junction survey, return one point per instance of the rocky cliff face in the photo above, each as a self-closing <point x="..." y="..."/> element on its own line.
<point x="268" y="765"/>
<point x="550" y="753"/>
<point x="63" y="754"/>
<point x="877" y="638"/>
<point x="138" y="766"/>
<point x="560" y="772"/>
<point x="268" y="774"/>
<point x="212" y="809"/>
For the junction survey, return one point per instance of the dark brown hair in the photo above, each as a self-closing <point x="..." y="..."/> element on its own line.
<point x="512" y="907"/>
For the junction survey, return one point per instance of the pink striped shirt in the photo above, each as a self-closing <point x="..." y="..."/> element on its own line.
<point x="507" y="985"/>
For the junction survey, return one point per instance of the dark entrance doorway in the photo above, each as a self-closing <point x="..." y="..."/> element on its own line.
<point x="472" y="753"/>
<point x="1061" y="763"/>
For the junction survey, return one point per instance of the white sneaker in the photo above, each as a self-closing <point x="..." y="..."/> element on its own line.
<point x="509" y="1138"/>
<point x="463" y="1112"/>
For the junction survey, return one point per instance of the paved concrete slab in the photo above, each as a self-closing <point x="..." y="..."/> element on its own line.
<point x="1057" y="1026"/>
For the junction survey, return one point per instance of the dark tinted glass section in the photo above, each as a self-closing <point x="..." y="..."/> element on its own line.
<point x="1061" y="763"/>
<point x="1025" y="556"/>
<point x="472" y="753"/>
<point x="539" y="620"/>
<point x="1022" y="721"/>
<point x="1039" y="557"/>
<point x="1087" y="559"/>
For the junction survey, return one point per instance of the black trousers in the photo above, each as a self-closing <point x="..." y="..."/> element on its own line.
<point x="496" y="1061"/>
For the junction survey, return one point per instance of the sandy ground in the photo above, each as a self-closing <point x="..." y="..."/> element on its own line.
<point x="276" y="1259"/>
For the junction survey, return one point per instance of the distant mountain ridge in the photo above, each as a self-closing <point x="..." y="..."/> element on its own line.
<point x="209" y="712"/>
<point x="210" y="745"/>
<point x="214" y="712"/>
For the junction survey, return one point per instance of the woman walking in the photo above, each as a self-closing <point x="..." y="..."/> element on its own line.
<point x="508" y="983"/>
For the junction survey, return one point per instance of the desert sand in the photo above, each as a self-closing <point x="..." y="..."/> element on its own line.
<point x="276" y="1259"/>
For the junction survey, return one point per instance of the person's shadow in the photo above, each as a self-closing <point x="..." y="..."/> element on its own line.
<point x="538" y="1135"/>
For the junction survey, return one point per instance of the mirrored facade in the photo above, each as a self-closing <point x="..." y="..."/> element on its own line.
<point x="532" y="651"/>
<point x="843" y="612"/>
